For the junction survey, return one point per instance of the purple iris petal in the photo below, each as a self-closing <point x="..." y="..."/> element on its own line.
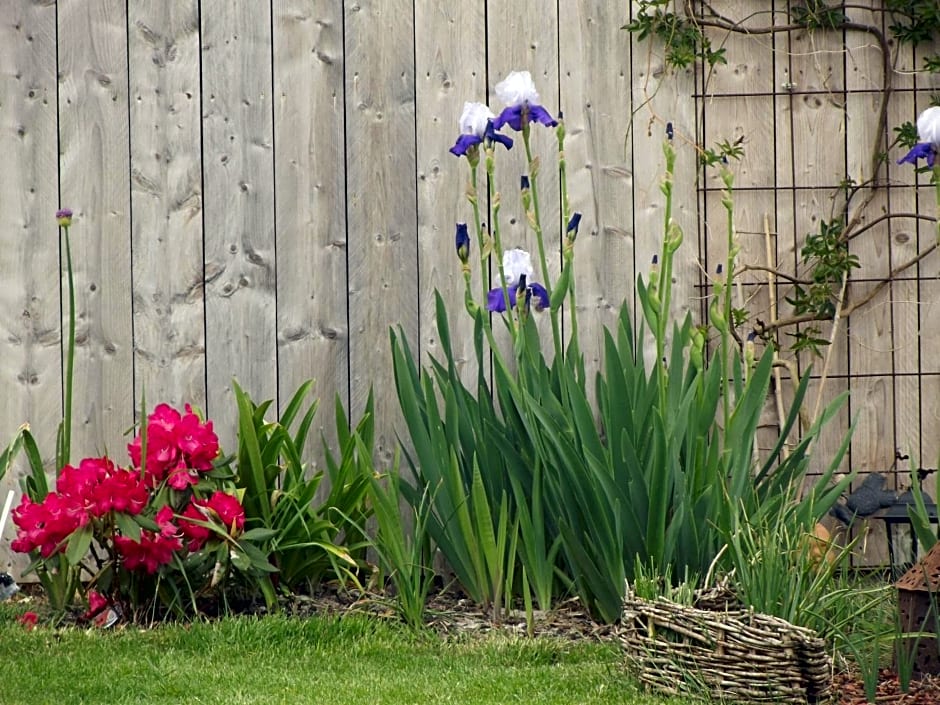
<point x="921" y="150"/>
<point x="464" y="143"/>
<point x="541" y="296"/>
<point x="574" y="223"/>
<point x="541" y="115"/>
<point x="511" y="116"/>
<point x="492" y="135"/>
<point x="496" y="302"/>
<point x="517" y="115"/>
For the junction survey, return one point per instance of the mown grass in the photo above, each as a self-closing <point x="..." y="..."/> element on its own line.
<point x="353" y="659"/>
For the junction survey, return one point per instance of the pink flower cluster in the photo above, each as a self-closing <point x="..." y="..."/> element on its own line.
<point x="97" y="486"/>
<point x="179" y="447"/>
<point x="224" y="507"/>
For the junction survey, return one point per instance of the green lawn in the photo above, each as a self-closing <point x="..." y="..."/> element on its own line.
<point x="281" y="660"/>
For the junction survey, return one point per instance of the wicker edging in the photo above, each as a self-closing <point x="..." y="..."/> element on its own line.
<point x="731" y="654"/>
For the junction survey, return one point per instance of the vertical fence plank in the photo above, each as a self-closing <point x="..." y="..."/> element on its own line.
<point x="93" y="137"/>
<point x="381" y="222"/>
<point x="448" y="75"/>
<point x="238" y="178"/>
<point x="310" y="173"/>
<point x="873" y="446"/>
<point x="525" y="38"/>
<point x="594" y="57"/>
<point x="166" y="197"/>
<point x="663" y="95"/>
<point x="29" y="298"/>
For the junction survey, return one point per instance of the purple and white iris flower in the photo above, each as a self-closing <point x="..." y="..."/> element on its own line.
<point x="476" y="127"/>
<point x="517" y="268"/>
<point x="518" y="94"/>
<point x="928" y="132"/>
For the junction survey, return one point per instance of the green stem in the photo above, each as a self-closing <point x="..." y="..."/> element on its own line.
<point x="474" y="199"/>
<point x="665" y="277"/>
<point x="497" y="241"/>
<point x="537" y="225"/>
<point x="65" y="451"/>
<point x="568" y="258"/>
<point x="728" y="202"/>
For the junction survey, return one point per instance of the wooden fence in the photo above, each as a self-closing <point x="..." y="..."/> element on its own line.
<point x="262" y="189"/>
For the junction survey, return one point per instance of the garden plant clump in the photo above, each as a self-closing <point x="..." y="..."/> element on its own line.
<point x="536" y="484"/>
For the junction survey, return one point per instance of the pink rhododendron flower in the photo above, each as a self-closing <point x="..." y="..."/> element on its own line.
<point x="96" y="603"/>
<point x="222" y="507"/>
<point x="28" y="620"/>
<point x="195" y="534"/>
<point x="229" y="510"/>
<point x="46" y="525"/>
<point x="151" y="552"/>
<point x="177" y="445"/>
<point x="154" y="549"/>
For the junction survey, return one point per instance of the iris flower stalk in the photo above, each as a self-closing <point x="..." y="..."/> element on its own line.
<point x="518" y="93"/>
<point x="665" y="276"/>
<point x="64" y="440"/>
<point x="727" y="200"/>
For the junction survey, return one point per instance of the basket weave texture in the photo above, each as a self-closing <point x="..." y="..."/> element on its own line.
<point x="725" y="651"/>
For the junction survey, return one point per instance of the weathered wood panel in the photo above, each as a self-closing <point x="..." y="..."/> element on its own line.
<point x="663" y="96"/>
<point x="524" y="37"/>
<point x="238" y="177"/>
<point x="95" y="183"/>
<point x="30" y="359"/>
<point x="448" y="75"/>
<point x="310" y="173"/>
<point x="381" y="195"/>
<point x="594" y="70"/>
<point x="166" y="198"/>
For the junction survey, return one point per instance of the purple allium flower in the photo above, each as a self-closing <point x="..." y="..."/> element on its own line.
<point x="64" y="216"/>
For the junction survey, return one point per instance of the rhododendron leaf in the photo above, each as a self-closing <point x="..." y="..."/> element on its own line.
<point x="146" y="522"/>
<point x="79" y="543"/>
<point x="240" y="560"/>
<point x="259" y="534"/>
<point x="128" y="526"/>
<point x="253" y="554"/>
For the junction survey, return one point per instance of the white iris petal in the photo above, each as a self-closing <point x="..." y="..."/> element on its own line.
<point x="517" y="88"/>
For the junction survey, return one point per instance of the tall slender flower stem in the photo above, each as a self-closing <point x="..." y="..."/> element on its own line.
<point x="727" y="201"/>
<point x="65" y="445"/>
<point x="497" y="240"/>
<point x="568" y="240"/>
<point x="533" y="169"/>
<point x="473" y="197"/>
<point x="665" y="278"/>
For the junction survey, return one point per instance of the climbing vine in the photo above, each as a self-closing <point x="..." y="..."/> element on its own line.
<point x="818" y="293"/>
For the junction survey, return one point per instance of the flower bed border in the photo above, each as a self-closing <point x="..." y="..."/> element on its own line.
<point x="730" y="653"/>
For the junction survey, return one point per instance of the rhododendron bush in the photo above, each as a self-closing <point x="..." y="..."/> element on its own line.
<point x="172" y="518"/>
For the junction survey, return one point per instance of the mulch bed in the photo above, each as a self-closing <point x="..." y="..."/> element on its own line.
<point x="849" y="689"/>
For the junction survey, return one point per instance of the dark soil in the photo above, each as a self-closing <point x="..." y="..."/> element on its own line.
<point x="849" y="689"/>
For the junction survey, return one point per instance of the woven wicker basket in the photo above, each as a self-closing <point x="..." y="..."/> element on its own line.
<point x="718" y="648"/>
